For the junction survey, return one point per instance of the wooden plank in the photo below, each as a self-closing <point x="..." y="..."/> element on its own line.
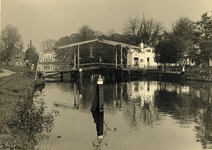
<point x="114" y="43"/>
<point x="76" y="44"/>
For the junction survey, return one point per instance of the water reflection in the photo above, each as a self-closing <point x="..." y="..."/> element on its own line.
<point x="97" y="111"/>
<point x="140" y="105"/>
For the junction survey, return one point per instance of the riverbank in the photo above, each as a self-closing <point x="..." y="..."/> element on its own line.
<point x="20" y="120"/>
<point x="197" y="74"/>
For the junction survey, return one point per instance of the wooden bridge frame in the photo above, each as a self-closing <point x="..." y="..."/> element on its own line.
<point x="113" y="43"/>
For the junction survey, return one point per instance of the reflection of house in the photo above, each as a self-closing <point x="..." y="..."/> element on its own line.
<point x="142" y="58"/>
<point x="144" y="90"/>
<point x="13" y="57"/>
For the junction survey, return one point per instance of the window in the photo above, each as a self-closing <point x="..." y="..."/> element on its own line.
<point x="18" y="63"/>
<point x="148" y="50"/>
<point x="147" y="59"/>
<point x="141" y="60"/>
<point x="136" y="87"/>
<point x="19" y="55"/>
<point x="136" y="62"/>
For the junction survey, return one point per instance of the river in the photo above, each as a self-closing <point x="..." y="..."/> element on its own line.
<point x="142" y="114"/>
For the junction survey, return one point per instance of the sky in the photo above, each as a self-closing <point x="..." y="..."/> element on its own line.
<point x="39" y="20"/>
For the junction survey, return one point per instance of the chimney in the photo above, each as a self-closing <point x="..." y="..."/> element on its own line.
<point x="142" y="47"/>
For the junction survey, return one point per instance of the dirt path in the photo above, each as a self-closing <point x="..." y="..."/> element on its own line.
<point x="6" y="73"/>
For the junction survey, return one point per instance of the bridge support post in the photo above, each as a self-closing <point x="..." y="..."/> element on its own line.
<point x="121" y="74"/>
<point x="73" y="76"/>
<point x="116" y="58"/>
<point x="74" y="58"/>
<point x="78" y="56"/>
<point x="114" y="77"/>
<point x="121" y="58"/>
<point x="61" y="76"/>
<point x="128" y="70"/>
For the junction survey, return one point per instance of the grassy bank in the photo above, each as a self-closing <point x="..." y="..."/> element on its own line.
<point x="21" y="120"/>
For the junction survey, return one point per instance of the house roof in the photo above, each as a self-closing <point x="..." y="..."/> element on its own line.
<point x="12" y="48"/>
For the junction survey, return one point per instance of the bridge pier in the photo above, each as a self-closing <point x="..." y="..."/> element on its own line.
<point x="61" y="76"/>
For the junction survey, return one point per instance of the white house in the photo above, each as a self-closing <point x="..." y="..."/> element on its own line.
<point x="143" y="57"/>
<point x="48" y="57"/>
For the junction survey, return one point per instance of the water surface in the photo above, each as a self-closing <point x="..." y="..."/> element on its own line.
<point x="147" y="115"/>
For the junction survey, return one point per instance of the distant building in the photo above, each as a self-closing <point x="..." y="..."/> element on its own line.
<point x="13" y="57"/>
<point x="48" y="57"/>
<point x="143" y="57"/>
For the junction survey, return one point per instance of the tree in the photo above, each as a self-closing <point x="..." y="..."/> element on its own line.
<point x="110" y="32"/>
<point x="169" y="50"/>
<point x="47" y="46"/>
<point x="185" y="29"/>
<point x="98" y="34"/>
<point x="205" y="30"/>
<point x="31" y="54"/>
<point x="10" y="36"/>
<point x="86" y="33"/>
<point x="132" y="27"/>
<point x="63" y="41"/>
<point x="150" y="32"/>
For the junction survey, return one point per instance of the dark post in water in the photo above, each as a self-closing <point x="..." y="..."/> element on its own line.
<point x="97" y="108"/>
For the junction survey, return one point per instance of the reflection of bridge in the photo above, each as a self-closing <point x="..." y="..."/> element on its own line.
<point x="70" y="62"/>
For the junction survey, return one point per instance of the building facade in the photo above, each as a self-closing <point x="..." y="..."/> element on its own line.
<point x="13" y="57"/>
<point x="48" y="57"/>
<point x="143" y="58"/>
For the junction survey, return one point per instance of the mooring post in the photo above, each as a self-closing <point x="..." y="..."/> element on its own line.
<point x="100" y="96"/>
<point x="101" y="108"/>
<point x="80" y="76"/>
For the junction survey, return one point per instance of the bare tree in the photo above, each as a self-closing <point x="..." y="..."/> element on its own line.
<point x="47" y="46"/>
<point x="10" y="36"/>
<point x="150" y="31"/>
<point x="110" y="32"/>
<point x="131" y="27"/>
<point x="98" y="33"/>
